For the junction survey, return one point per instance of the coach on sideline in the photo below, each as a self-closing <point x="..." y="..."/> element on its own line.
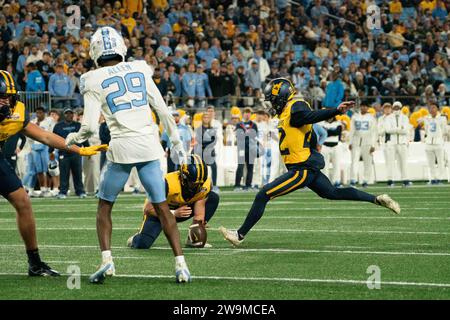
<point x="69" y="162"/>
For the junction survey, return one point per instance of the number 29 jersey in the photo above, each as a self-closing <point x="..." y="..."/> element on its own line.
<point x="123" y="93"/>
<point x="294" y="142"/>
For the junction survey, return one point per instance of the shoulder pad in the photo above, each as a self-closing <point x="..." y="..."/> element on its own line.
<point x="300" y="105"/>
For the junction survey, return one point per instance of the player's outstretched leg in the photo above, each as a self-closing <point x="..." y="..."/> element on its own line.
<point x="286" y="183"/>
<point x="323" y="187"/>
<point x="27" y="228"/>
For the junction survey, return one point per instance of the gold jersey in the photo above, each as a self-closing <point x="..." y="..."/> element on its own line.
<point x="294" y="142"/>
<point x="15" y="123"/>
<point x="174" y="192"/>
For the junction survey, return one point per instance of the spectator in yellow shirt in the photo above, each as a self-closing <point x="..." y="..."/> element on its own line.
<point x="160" y="4"/>
<point x="395" y="7"/>
<point x="427" y="5"/>
<point x="133" y="6"/>
<point x="395" y="38"/>
<point x="128" y="22"/>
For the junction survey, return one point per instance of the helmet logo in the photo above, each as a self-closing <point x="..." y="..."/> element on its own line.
<point x="276" y="88"/>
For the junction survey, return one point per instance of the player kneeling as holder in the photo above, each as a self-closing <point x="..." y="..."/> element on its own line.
<point x="189" y="195"/>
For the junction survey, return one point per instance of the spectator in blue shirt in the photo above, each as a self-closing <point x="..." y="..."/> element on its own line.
<point x="178" y="59"/>
<point x="188" y="84"/>
<point x="175" y="79"/>
<point x="60" y="87"/>
<point x="185" y="137"/>
<point x="28" y="22"/>
<point x="165" y="29"/>
<point x="205" y="53"/>
<point x="187" y="13"/>
<point x="35" y="80"/>
<point x="440" y="12"/>
<point x="344" y="59"/>
<point x="202" y="88"/>
<point x="334" y="92"/>
<point x="164" y="46"/>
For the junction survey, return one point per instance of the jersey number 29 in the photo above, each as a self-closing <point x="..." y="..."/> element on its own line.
<point x="131" y="82"/>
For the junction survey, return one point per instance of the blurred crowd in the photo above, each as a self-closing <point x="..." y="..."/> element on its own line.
<point x="222" y="52"/>
<point x="218" y="55"/>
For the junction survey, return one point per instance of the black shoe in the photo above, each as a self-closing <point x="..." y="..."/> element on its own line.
<point x="390" y="183"/>
<point x="364" y="185"/>
<point x="42" y="269"/>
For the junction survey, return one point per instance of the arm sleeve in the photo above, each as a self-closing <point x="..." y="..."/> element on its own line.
<point x="301" y="114"/>
<point x="159" y="105"/>
<point x="89" y="125"/>
<point x="23" y="140"/>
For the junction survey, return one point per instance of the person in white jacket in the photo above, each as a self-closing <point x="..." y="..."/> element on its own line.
<point x="387" y="110"/>
<point x="331" y="150"/>
<point x="435" y="126"/>
<point x="363" y="137"/>
<point x="397" y="128"/>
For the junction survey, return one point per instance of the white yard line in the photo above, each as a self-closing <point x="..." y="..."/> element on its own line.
<point x="295" y="217"/>
<point x="257" y="230"/>
<point x="267" y="279"/>
<point x="214" y="251"/>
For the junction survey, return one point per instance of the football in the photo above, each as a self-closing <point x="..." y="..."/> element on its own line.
<point x="197" y="235"/>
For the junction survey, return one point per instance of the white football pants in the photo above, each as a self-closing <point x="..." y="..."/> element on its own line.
<point x="397" y="152"/>
<point x="435" y="152"/>
<point x="332" y="155"/>
<point x="364" y="152"/>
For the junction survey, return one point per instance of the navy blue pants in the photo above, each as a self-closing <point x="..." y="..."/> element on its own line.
<point x="9" y="182"/>
<point x="293" y="180"/>
<point x="71" y="164"/>
<point x="151" y="226"/>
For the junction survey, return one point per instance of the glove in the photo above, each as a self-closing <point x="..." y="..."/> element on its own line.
<point x="70" y="139"/>
<point x="92" y="150"/>
<point x="180" y="153"/>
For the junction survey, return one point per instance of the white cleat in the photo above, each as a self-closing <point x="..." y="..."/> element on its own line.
<point x="231" y="236"/>
<point x="182" y="273"/>
<point x="385" y="201"/>
<point x="106" y="269"/>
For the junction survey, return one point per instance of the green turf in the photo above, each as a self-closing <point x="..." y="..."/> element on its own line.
<point x="303" y="248"/>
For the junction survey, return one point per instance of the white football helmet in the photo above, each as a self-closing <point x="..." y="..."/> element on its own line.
<point x="105" y="42"/>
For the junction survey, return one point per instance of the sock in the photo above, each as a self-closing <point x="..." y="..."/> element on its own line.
<point x="33" y="257"/>
<point x="106" y="255"/>
<point x="180" y="260"/>
<point x="240" y="236"/>
<point x="256" y="212"/>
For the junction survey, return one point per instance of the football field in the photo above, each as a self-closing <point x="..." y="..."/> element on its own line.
<point x="304" y="247"/>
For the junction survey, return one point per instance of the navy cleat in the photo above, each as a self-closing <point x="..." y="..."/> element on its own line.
<point x="41" y="269"/>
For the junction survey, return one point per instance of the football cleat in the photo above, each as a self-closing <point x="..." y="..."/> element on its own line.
<point x="182" y="273"/>
<point x="130" y="241"/>
<point x="42" y="269"/>
<point x="385" y="201"/>
<point x="231" y="236"/>
<point x="106" y="269"/>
